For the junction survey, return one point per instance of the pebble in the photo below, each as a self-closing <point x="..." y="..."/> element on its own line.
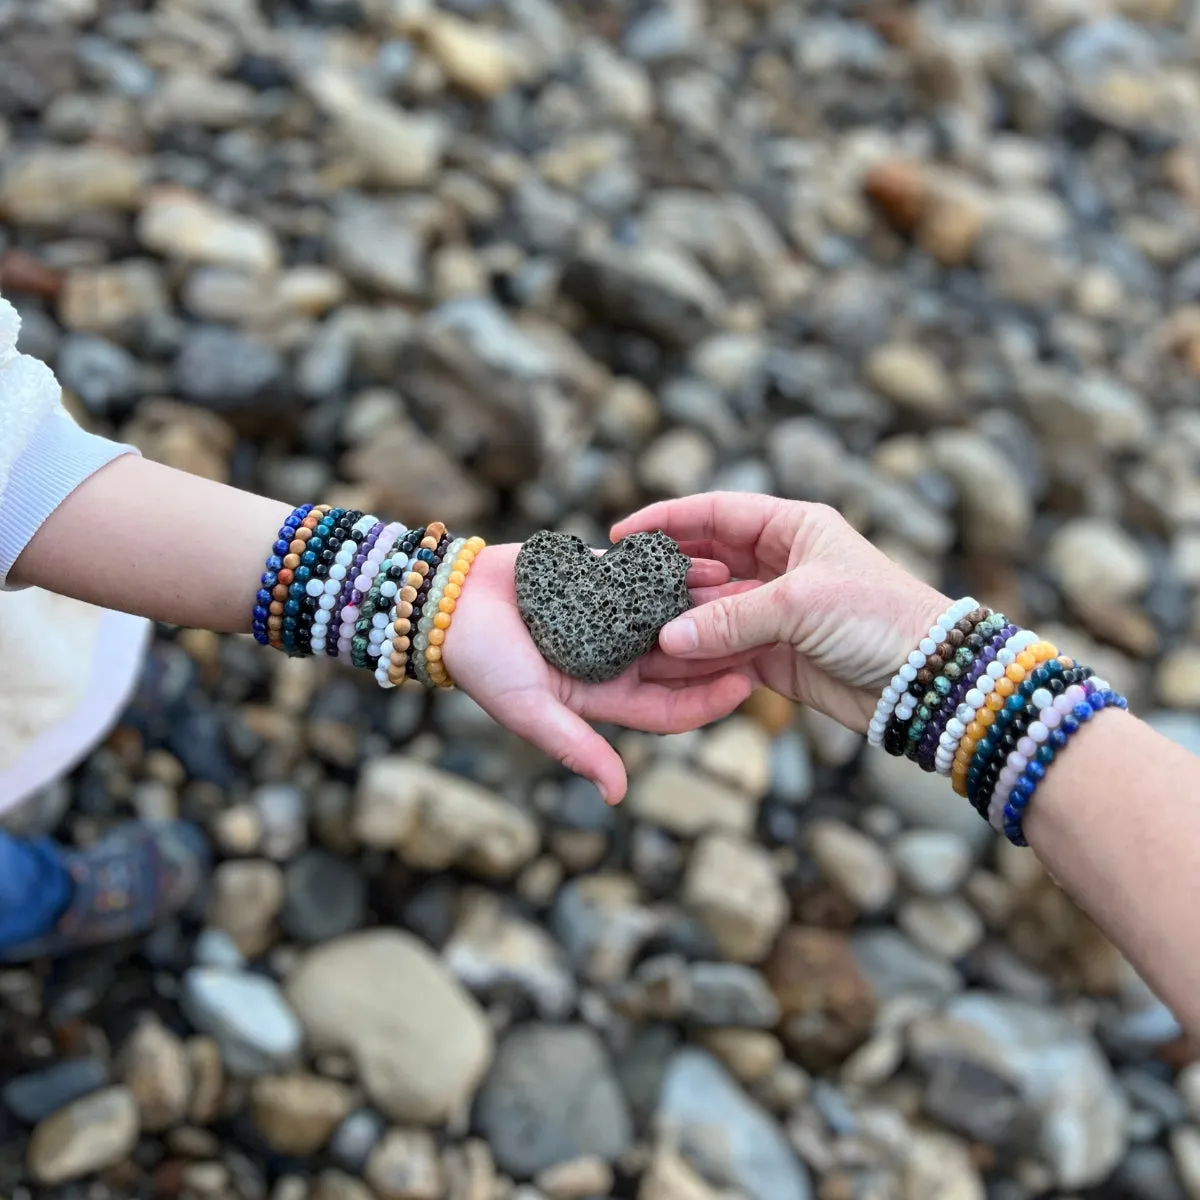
<point x="912" y="377"/>
<point x="247" y="895"/>
<point x="686" y="803"/>
<point x="419" y="1042"/>
<point x="48" y="185"/>
<point x="246" y="1015"/>
<point x="733" y="888"/>
<point x="932" y="862"/>
<point x="405" y="1166"/>
<point x="324" y="898"/>
<point x="155" y="1069"/>
<point x="550" y="1098"/>
<point x="724" y="1134"/>
<point x="32" y="1097"/>
<point x="435" y="820"/>
<point x="1095" y="561"/>
<point x="854" y="864"/>
<point x="182" y="225"/>
<point x="87" y="1135"/>
<point x="296" y="1114"/>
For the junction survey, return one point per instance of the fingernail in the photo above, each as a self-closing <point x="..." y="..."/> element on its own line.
<point x="680" y="637"/>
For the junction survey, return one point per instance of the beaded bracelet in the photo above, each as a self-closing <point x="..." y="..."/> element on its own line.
<point x="926" y="691"/>
<point x="1035" y="771"/>
<point x="267" y="619"/>
<point x="424" y="623"/>
<point x="325" y="544"/>
<point x="347" y="566"/>
<point x="987" y="697"/>
<point x="896" y="694"/>
<point x="406" y="575"/>
<point x="363" y="580"/>
<point x="1047" y="711"/>
<point x="396" y="634"/>
<point x="367" y="585"/>
<point x="1012" y="723"/>
<point x="944" y="670"/>
<point x="442" y="619"/>
<point x="299" y="561"/>
<point x="429" y="562"/>
<point x="338" y="585"/>
<point x="966" y="699"/>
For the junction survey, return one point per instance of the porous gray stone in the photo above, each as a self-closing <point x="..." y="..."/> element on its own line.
<point x="591" y="615"/>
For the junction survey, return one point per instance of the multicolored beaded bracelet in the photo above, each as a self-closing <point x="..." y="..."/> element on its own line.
<point x="339" y="584"/>
<point x="428" y="562"/>
<point x="1035" y="771"/>
<point x="424" y="621"/>
<point x="943" y="671"/>
<point x="325" y="544"/>
<point x="404" y="581"/>
<point x="363" y="581"/>
<point x="369" y="608"/>
<point x="265" y="597"/>
<point x="895" y="694"/>
<point x="966" y="699"/>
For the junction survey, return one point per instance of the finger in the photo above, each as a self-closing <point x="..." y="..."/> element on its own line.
<point x="738" y="587"/>
<point x="656" y="708"/>
<point x="706" y="572"/>
<point x="569" y="739"/>
<point x="738" y="518"/>
<point x="732" y="624"/>
<point x="658" y="667"/>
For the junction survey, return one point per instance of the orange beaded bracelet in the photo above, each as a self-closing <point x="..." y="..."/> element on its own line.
<point x="447" y="602"/>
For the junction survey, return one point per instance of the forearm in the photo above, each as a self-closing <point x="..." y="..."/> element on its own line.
<point x="145" y="539"/>
<point x="1117" y="822"/>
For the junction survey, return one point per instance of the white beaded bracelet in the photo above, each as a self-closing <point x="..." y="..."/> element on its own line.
<point x="896" y="698"/>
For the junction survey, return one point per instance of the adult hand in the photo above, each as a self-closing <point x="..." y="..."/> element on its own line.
<point x="831" y="619"/>
<point x="492" y="658"/>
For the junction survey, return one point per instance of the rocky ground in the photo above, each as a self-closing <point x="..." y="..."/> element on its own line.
<point x="521" y="264"/>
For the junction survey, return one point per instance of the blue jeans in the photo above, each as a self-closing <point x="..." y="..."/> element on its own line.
<point x="35" y="887"/>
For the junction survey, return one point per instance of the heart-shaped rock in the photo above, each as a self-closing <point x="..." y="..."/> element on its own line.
<point x="592" y="615"/>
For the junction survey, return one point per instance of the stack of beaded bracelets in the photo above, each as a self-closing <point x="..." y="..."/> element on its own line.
<point x="990" y="705"/>
<point x="373" y="594"/>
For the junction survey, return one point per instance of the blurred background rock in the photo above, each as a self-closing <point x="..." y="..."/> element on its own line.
<point x="518" y="264"/>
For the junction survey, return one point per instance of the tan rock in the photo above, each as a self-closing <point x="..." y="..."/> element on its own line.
<point x="911" y="376"/>
<point x="405" y="1166"/>
<point x="154" y="1067"/>
<point x="51" y="184"/>
<point x="686" y="803"/>
<point x="420" y="1043"/>
<point x="434" y="820"/>
<point x="247" y="895"/>
<point x="85" y="1136"/>
<point x="738" y="752"/>
<point x="578" y="1179"/>
<point x="734" y="889"/>
<point x="183" y="225"/>
<point x="296" y="1114"/>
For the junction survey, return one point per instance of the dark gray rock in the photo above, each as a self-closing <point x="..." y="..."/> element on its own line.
<point x="224" y="370"/>
<point x="325" y="898"/>
<point x="551" y="1097"/>
<point x="592" y="616"/>
<point x="100" y="373"/>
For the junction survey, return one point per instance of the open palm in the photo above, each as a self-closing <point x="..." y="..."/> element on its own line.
<point x="492" y="658"/>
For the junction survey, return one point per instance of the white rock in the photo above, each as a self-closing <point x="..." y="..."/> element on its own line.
<point x="854" y="864"/>
<point x="180" y="224"/>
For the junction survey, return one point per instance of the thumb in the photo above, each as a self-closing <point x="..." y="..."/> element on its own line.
<point x="732" y="624"/>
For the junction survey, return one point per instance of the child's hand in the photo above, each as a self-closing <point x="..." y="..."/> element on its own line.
<point x="490" y="655"/>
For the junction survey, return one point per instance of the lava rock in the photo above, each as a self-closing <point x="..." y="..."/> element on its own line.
<point x="590" y="615"/>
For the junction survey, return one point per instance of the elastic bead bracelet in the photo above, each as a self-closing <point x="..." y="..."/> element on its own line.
<point x="398" y="615"/>
<point x="953" y="658"/>
<point x="966" y="699"/>
<point x="431" y="559"/>
<point x="896" y="692"/>
<point x="1023" y="652"/>
<point x="443" y="618"/>
<point x="341" y="547"/>
<point x="340" y="583"/>
<point x="330" y="534"/>
<point x="388" y="537"/>
<point x="407" y="574"/>
<point x="364" y="600"/>
<point x="299" y="571"/>
<point x="424" y="623"/>
<point x="1011" y="721"/>
<point x="339" y="628"/>
<point x="266" y="621"/>
<point x="1035" y="771"/>
<point x="1034" y="742"/>
<point x="963" y="667"/>
<point x="398" y="569"/>
<point x="991" y="689"/>
<point x="1012" y="724"/>
<point x="926" y="691"/>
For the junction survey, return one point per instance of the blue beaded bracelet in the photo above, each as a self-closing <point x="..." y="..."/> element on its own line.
<point x="270" y="577"/>
<point x="1035" y="771"/>
<point x="295" y="608"/>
